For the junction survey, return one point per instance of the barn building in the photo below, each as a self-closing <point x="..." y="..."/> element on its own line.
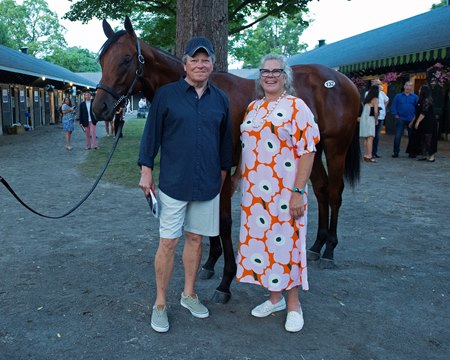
<point x="32" y="89"/>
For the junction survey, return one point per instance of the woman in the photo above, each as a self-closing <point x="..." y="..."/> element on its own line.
<point x="278" y="138"/>
<point x="68" y="120"/>
<point x="426" y="124"/>
<point x="368" y="121"/>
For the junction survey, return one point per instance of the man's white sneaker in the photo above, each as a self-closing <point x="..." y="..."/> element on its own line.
<point x="294" y="321"/>
<point x="160" y="322"/>
<point x="267" y="308"/>
<point x="193" y="304"/>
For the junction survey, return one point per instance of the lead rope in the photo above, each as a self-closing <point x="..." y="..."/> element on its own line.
<point x="111" y="152"/>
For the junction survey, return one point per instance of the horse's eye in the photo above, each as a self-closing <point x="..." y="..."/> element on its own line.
<point x="127" y="60"/>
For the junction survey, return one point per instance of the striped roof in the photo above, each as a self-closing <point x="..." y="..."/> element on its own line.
<point x="424" y="37"/>
<point x="16" y="61"/>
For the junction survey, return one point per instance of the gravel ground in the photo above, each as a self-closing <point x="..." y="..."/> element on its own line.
<point x="82" y="287"/>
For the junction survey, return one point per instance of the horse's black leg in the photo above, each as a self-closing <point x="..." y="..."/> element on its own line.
<point x="335" y="189"/>
<point x="215" y="251"/>
<point x="319" y="180"/>
<point x="222" y="293"/>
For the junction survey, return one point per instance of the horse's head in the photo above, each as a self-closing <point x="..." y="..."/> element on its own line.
<point x="122" y="65"/>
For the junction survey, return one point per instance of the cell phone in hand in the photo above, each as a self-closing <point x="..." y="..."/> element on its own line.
<point x="153" y="203"/>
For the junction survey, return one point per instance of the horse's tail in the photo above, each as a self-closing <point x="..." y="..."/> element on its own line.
<point x="353" y="160"/>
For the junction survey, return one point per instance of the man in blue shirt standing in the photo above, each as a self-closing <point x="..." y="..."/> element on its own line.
<point x="189" y="121"/>
<point x="404" y="110"/>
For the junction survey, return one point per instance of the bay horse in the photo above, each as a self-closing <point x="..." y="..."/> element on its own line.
<point x="129" y="65"/>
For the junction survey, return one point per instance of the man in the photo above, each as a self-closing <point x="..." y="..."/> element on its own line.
<point x="403" y="108"/>
<point x="88" y="121"/>
<point x="189" y="120"/>
<point x="383" y="100"/>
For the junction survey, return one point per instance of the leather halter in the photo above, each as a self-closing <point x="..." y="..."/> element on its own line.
<point x="139" y="71"/>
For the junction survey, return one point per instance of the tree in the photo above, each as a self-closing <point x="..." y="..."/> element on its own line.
<point x="4" y="36"/>
<point x="272" y="35"/>
<point x="159" y="16"/>
<point x="241" y="14"/>
<point x="75" y="59"/>
<point x="32" y="25"/>
<point x="441" y="4"/>
<point x="206" y="17"/>
<point x="12" y="19"/>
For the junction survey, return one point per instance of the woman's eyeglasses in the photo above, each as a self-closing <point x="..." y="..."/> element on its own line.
<point x="275" y="72"/>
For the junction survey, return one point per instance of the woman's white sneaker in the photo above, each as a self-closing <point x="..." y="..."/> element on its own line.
<point x="267" y="308"/>
<point x="294" y="321"/>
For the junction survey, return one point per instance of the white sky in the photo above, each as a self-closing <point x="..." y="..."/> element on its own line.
<point x="334" y="20"/>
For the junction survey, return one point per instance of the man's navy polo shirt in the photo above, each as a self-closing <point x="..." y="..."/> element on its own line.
<point x="195" y="140"/>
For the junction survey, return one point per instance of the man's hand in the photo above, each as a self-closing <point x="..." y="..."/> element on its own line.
<point x="146" y="182"/>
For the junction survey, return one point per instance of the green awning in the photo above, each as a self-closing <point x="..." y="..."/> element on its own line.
<point x="433" y="55"/>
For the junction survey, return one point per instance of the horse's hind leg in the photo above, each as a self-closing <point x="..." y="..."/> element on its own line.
<point x="319" y="180"/>
<point x="335" y="189"/>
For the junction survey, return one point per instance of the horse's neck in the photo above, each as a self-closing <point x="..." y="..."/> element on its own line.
<point x="159" y="69"/>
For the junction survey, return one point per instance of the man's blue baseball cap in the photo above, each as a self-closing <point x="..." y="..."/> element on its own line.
<point x="197" y="43"/>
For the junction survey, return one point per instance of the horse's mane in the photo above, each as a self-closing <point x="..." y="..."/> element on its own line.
<point x="110" y="41"/>
<point x="166" y="53"/>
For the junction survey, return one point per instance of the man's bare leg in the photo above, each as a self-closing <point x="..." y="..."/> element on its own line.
<point x="192" y="255"/>
<point x="164" y="260"/>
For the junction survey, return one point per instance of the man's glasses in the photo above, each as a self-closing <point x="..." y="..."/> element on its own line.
<point x="275" y="72"/>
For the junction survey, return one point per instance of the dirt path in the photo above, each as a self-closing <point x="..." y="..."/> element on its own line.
<point x="82" y="287"/>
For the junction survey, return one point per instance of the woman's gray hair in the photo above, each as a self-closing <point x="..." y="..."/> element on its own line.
<point x="287" y="73"/>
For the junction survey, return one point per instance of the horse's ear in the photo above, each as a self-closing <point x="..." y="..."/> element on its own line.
<point x="107" y="29"/>
<point x="128" y="26"/>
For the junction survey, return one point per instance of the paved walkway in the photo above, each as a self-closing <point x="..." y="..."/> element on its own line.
<point x="82" y="287"/>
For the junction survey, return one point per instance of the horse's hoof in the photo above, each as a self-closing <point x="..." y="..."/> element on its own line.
<point x="205" y="274"/>
<point x="312" y="255"/>
<point x="327" y="263"/>
<point x="221" y="297"/>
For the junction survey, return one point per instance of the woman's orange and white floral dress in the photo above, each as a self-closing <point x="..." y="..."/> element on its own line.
<point x="272" y="245"/>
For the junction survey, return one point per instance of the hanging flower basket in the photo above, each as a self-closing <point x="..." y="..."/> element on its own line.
<point x="393" y="79"/>
<point x="360" y="83"/>
<point x="439" y="75"/>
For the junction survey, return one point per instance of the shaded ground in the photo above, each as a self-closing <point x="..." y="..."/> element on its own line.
<point x="82" y="287"/>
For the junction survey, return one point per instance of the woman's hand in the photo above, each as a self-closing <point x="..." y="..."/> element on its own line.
<point x="297" y="205"/>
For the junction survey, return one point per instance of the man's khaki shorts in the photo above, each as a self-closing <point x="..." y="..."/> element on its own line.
<point x="197" y="217"/>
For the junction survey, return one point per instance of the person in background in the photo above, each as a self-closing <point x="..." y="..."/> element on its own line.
<point x="142" y="104"/>
<point x="118" y="121"/>
<point x="189" y="121"/>
<point x="403" y="109"/>
<point x="278" y="137"/>
<point x="88" y="121"/>
<point x="109" y="128"/>
<point x="68" y="119"/>
<point x="368" y="121"/>
<point x="426" y="124"/>
<point x="383" y="101"/>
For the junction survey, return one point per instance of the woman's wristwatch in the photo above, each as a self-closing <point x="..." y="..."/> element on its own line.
<point x="297" y="190"/>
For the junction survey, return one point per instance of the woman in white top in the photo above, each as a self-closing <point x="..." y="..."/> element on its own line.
<point x="368" y="121"/>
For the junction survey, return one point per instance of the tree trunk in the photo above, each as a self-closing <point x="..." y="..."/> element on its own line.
<point x="207" y="18"/>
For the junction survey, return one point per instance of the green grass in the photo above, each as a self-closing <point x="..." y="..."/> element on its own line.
<point x="122" y="169"/>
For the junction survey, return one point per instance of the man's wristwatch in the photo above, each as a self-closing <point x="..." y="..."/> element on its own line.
<point x="297" y="190"/>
